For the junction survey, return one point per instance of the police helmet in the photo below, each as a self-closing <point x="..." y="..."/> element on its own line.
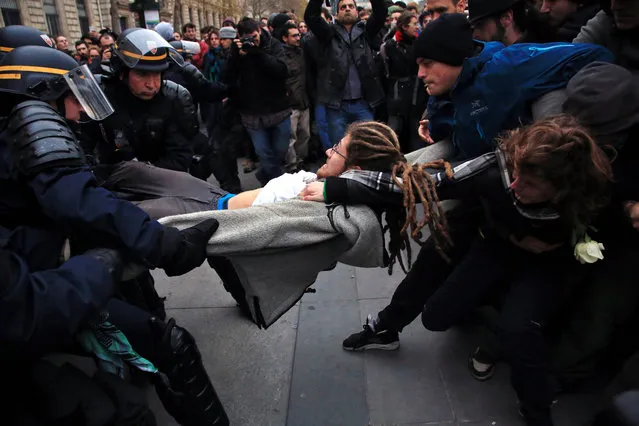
<point x="48" y="74"/>
<point x="19" y="35"/>
<point x="186" y="48"/>
<point x="144" y="50"/>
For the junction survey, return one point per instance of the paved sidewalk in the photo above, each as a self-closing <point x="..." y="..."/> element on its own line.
<point x="296" y="373"/>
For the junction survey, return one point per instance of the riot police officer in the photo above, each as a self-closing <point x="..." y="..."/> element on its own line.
<point x="155" y="123"/>
<point x="154" y="119"/>
<point x="48" y="194"/>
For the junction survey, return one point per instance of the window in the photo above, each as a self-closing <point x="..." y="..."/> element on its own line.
<point x="123" y="23"/>
<point x="51" y="15"/>
<point x="10" y="12"/>
<point x="82" y="16"/>
<point x="190" y="15"/>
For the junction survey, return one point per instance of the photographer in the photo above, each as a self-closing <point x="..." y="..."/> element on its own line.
<point x="257" y="73"/>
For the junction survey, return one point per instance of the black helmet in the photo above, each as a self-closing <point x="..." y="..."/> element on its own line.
<point x="19" y="35"/>
<point x="186" y="48"/>
<point x="48" y="74"/>
<point x="145" y="50"/>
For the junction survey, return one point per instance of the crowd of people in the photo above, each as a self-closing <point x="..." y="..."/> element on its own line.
<point x="525" y="112"/>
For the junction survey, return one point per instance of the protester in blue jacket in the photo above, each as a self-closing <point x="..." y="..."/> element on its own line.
<point x="490" y="86"/>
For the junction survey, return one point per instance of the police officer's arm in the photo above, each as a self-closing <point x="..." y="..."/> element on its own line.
<point x="206" y="90"/>
<point x="316" y="23"/>
<point x="40" y="309"/>
<point x="376" y="21"/>
<point x="66" y="190"/>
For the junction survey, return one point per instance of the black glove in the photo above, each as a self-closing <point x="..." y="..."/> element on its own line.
<point x="191" y="248"/>
<point x="111" y="259"/>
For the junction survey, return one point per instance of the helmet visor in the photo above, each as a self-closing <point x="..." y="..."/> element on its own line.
<point x="148" y="46"/>
<point x="191" y="47"/>
<point x="88" y="92"/>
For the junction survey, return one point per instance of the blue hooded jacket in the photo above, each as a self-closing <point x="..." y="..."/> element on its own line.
<point x="496" y="89"/>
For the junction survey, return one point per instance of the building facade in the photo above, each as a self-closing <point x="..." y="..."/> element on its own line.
<point x="72" y="18"/>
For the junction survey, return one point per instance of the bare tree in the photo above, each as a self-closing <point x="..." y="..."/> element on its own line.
<point x="260" y="8"/>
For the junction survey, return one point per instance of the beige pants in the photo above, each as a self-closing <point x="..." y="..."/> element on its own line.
<point x="300" y="134"/>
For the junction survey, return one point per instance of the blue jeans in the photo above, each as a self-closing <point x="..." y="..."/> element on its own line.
<point x="322" y="126"/>
<point x="271" y="146"/>
<point x="349" y="112"/>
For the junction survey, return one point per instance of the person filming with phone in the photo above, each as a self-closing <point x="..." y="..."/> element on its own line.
<point x="256" y="73"/>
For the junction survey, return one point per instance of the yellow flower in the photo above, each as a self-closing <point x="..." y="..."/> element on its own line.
<point x="588" y="251"/>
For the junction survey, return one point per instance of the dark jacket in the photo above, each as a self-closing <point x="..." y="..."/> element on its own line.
<point x="158" y="131"/>
<point x="338" y="48"/>
<point x="296" y="81"/>
<point x="570" y="29"/>
<point x="623" y="44"/>
<point x="403" y="88"/>
<point x="258" y="79"/>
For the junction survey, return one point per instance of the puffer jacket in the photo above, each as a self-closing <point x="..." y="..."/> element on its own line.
<point x="337" y="48"/>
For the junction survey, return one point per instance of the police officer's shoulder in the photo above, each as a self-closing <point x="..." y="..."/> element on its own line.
<point x="173" y="91"/>
<point x="40" y="138"/>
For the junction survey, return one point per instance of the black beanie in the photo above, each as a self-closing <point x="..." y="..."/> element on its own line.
<point x="447" y="39"/>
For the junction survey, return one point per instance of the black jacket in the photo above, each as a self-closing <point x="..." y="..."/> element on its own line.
<point x="403" y="88"/>
<point x="258" y="80"/>
<point x="337" y="48"/>
<point x="296" y="81"/>
<point x="158" y="131"/>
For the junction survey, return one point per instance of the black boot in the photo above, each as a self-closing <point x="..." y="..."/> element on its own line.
<point x="184" y="386"/>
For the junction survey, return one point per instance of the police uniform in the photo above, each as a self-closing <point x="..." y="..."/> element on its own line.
<point x="48" y="194"/>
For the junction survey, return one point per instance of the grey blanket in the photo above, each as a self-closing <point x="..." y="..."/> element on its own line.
<point x="279" y="249"/>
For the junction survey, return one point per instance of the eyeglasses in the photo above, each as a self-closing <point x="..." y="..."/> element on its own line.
<point x="335" y="151"/>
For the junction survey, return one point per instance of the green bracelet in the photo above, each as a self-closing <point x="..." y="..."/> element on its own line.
<point x="324" y="192"/>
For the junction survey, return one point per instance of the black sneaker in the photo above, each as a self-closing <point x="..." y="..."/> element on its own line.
<point x="481" y="366"/>
<point x="370" y="338"/>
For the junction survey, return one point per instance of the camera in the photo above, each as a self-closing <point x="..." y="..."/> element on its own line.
<point x="247" y="43"/>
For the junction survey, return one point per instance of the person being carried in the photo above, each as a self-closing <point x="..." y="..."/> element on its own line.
<point x="358" y="150"/>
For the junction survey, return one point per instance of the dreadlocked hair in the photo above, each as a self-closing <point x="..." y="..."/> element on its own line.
<point x="375" y="146"/>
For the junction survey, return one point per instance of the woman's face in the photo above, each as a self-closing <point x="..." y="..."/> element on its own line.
<point x="411" y="29"/>
<point x="529" y="189"/>
<point x="214" y="40"/>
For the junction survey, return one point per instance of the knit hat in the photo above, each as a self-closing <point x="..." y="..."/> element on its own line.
<point x="279" y="20"/>
<point x="480" y="9"/>
<point x="603" y="97"/>
<point x="394" y="9"/>
<point x="447" y="39"/>
<point x="227" y="32"/>
<point x="165" y="30"/>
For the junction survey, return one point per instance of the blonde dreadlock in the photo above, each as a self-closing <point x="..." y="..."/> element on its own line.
<point x="375" y="146"/>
